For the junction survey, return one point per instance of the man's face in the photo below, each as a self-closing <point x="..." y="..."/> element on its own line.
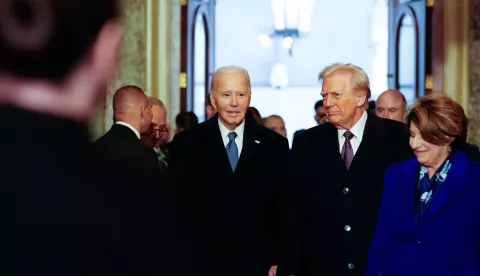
<point x="344" y="106"/>
<point x="158" y="131"/>
<point x="277" y="125"/>
<point x="320" y="115"/>
<point x="391" y="106"/>
<point x="231" y="98"/>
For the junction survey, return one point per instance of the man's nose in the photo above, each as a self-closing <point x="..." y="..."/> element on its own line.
<point x="328" y="102"/>
<point x="234" y="100"/>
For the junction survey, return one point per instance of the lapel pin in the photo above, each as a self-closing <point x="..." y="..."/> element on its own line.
<point x="256" y="141"/>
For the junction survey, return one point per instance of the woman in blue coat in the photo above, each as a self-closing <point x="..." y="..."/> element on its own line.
<point x="429" y="221"/>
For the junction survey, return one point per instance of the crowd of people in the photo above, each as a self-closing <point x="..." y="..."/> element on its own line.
<point x="390" y="191"/>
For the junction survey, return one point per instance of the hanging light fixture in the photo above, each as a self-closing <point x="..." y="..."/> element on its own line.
<point x="291" y="20"/>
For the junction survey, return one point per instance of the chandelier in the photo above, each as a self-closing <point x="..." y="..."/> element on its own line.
<point x="291" y="20"/>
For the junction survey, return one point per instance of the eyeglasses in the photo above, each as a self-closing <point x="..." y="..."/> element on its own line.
<point x="162" y="129"/>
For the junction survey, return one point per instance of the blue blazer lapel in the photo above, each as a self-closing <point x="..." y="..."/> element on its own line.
<point x="407" y="181"/>
<point x="457" y="180"/>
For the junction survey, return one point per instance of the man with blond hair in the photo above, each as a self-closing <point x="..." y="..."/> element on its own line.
<point x="228" y="175"/>
<point x="337" y="179"/>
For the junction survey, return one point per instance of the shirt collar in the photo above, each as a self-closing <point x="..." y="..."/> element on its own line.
<point x="225" y="131"/>
<point x="129" y="126"/>
<point x="357" y="129"/>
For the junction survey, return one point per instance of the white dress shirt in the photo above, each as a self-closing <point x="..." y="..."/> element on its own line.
<point x="129" y="126"/>
<point x="357" y="131"/>
<point x="238" y="140"/>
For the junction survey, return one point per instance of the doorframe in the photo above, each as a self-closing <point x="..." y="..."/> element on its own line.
<point x="190" y="11"/>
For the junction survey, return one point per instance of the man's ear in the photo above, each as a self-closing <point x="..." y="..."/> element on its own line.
<point x="212" y="100"/>
<point x="361" y="99"/>
<point x="144" y="110"/>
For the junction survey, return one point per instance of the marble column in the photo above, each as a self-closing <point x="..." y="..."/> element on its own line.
<point x="131" y="65"/>
<point x="150" y="57"/>
<point x="474" y="57"/>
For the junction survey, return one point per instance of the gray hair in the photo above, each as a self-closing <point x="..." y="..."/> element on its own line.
<point x="156" y="101"/>
<point x="231" y="69"/>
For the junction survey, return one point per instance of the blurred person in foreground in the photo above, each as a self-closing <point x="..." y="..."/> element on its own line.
<point x="429" y="222"/>
<point x="337" y="179"/>
<point x="56" y="58"/>
<point x="229" y="173"/>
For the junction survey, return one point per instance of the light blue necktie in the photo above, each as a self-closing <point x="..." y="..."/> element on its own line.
<point x="232" y="150"/>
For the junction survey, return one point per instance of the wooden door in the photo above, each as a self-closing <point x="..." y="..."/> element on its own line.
<point x="410" y="47"/>
<point x="197" y="55"/>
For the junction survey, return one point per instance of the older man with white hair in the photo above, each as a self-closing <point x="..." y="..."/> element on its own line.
<point x="338" y="170"/>
<point x="228" y="173"/>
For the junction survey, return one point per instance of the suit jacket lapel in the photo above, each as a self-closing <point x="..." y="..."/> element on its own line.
<point x="332" y="135"/>
<point x="407" y="183"/>
<point x="457" y="180"/>
<point x="371" y="134"/>
<point x="216" y="146"/>
<point x="251" y="142"/>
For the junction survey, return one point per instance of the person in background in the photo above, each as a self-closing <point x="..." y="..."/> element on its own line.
<point x="210" y="110"/>
<point x="430" y="213"/>
<point x="371" y="106"/>
<point x="276" y="123"/>
<point x="229" y="224"/>
<point x="256" y="115"/>
<point x="157" y="135"/>
<point x="56" y="58"/>
<point x="185" y="120"/>
<point x="320" y="114"/>
<point x="392" y="105"/>
<point x="337" y="179"/>
<point x="131" y="180"/>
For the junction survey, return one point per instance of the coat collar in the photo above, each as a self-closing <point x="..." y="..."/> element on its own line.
<point x="457" y="180"/>
<point x="373" y="131"/>
<point x="251" y="142"/>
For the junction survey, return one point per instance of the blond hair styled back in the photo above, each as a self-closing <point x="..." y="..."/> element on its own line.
<point x="359" y="78"/>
